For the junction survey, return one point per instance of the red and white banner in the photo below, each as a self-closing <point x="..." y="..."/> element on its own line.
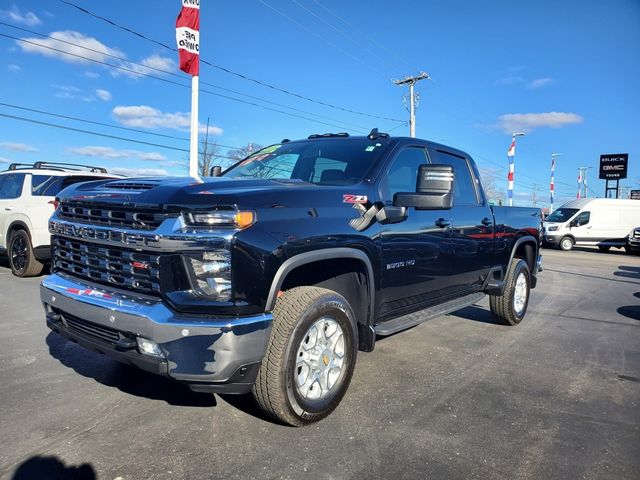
<point x="188" y="36"/>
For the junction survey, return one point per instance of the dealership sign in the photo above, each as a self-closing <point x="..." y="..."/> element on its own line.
<point x="614" y="166"/>
<point x="635" y="195"/>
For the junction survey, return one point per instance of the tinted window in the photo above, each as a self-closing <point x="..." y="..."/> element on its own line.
<point x="338" y="161"/>
<point x="45" y="185"/>
<point x="464" y="190"/>
<point x="582" y="219"/>
<point x="11" y="185"/>
<point x="403" y="172"/>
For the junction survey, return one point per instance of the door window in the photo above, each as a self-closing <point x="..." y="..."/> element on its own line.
<point x="403" y="172"/>
<point x="464" y="191"/>
<point x="11" y="185"/>
<point x="581" y="219"/>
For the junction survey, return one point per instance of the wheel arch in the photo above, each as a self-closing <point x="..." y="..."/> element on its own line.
<point x="17" y="225"/>
<point x="526" y="247"/>
<point x="333" y="268"/>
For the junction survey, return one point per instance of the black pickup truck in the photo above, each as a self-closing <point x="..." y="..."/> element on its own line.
<point x="270" y="277"/>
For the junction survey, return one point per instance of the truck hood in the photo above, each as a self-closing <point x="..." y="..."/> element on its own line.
<point x="186" y="192"/>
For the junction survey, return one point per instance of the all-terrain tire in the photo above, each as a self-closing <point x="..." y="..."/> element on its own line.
<point x="277" y="390"/>
<point x="510" y="307"/>
<point x="21" y="257"/>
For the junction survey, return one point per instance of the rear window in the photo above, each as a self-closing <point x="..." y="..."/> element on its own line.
<point x="50" y="186"/>
<point x="11" y="185"/>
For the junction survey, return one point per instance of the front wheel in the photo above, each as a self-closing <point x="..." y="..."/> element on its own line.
<point x="22" y="260"/>
<point x="310" y="357"/>
<point x="510" y="307"/>
<point x="566" y="243"/>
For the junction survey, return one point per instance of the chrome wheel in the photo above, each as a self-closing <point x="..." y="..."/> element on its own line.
<point x="520" y="293"/>
<point x="320" y="359"/>
<point x="19" y="254"/>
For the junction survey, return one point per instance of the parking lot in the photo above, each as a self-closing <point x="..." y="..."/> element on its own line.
<point x="458" y="397"/>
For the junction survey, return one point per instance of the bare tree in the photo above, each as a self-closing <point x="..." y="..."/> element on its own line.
<point x="207" y="157"/>
<point x="244" y="152"/>
<point x="493" y="194"/>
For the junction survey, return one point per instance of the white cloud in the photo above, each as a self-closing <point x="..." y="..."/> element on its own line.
<point x="510" y="80"/>
<point x="539" y="83"/>
<point x="96" y="49"/>
<point x="93" y="75"/>
<point x="104" y="94"/>
<point x="143" y="116"/>
<point x="139" y="172"/>
<point x="15" y="15"/>
<point x="152" y="65"/>
<point x="527" y="122"/>
<point x="17" y="147"/>
<point x="14" y="68"/>
<point x="113" y="153"/>
<point x="5" y="160"/>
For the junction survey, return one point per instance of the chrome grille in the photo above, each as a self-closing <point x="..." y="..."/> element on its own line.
<point x="117" y="267"/>
<point x="113" y="215"/>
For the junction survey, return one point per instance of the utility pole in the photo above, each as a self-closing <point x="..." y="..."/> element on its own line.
<point x="535" y="191"/>
<point x="411" y="81"/>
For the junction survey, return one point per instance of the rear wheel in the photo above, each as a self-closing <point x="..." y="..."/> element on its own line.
<point x="310" y="357"/>
<point x="21" y="257"/>
<point x="566" y="243"/>
<point x="604" y="248"/>
<point x="510" y="307"/>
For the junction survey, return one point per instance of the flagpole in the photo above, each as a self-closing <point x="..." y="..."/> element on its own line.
<point x="193" y="145"/>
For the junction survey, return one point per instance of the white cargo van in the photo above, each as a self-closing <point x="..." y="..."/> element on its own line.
<point x="601" y="222"/>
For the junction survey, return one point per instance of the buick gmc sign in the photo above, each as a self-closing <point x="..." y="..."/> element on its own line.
<point x="613" y="166"/>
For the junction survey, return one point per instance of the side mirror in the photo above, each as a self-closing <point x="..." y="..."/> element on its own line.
<point x="215" y="171"/>
<point x="434" y="189"/>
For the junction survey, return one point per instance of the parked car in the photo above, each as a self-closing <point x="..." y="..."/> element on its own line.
<point x="269" y="278"/>
<point x="27" y="200"/>
<point x="633" y="245"/>
<point x="601" y="222"/>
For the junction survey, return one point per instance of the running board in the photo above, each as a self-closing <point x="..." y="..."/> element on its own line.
<point x="415" y="318"/>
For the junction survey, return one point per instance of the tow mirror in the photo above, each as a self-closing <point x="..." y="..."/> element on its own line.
<point x="434" y="189"/>
<point x="215" y="171"/>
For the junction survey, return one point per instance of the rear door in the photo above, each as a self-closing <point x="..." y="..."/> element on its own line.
<point x="472" y="224"/>
<point x="11" y="191"/>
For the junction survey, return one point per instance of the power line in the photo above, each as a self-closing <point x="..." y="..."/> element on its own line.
<point x="119" y="67"/>
<point x="304" y="27"/>
<point x="226" y="70"/>
<point x="110" y="125"/>
<point x="99" y="134"/>
<point x="166" y="72"/>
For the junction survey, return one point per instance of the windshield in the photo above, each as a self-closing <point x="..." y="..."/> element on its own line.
<point x="339" y="161"/>
<point x="561" y="215"/>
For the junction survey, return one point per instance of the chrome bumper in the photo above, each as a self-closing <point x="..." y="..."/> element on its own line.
<point x="203" y="351"/>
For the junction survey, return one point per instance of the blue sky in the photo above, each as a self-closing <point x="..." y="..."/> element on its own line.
<point x="565" y="72"/>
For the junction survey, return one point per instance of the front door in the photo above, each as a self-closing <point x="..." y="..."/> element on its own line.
<point x="10" y="192"/>
<point x="415" y="253"/>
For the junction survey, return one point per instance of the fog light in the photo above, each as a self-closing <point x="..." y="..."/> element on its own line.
<point x="149" y="347"/>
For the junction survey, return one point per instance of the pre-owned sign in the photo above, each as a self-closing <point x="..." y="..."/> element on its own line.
<point x="613" y="166"/>
<point x="635" y="195"/>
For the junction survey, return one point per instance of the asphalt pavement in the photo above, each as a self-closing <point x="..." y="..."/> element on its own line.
<point x="557" y="397"/>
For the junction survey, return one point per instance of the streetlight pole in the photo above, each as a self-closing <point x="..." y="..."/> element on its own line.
<point x="511" y="154"/>
<point x="552" y="184"/>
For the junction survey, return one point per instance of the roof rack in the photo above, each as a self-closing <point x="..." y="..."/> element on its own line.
<point x="328" y="135"/>
<point x="57" y="166"/>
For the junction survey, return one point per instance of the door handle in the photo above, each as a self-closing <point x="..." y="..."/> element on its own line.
<point x="486" y="221"/>
<point x="442" y="223"/>
<point x="589" y="226"/>
<point x="8" y="209"/>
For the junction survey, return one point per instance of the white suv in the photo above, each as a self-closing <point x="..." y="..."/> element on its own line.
<point x="27" y="200"/>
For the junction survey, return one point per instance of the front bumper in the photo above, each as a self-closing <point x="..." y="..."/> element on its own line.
<point x="214" y="354"/>
<point x="550" y="239"/>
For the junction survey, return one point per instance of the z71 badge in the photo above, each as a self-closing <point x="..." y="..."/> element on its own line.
<point x="350" y="198"/>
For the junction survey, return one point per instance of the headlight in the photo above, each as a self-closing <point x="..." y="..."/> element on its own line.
<point x="552" y="229"/>
<point x="211" y="274"/>
<point x="219" y="218"/>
